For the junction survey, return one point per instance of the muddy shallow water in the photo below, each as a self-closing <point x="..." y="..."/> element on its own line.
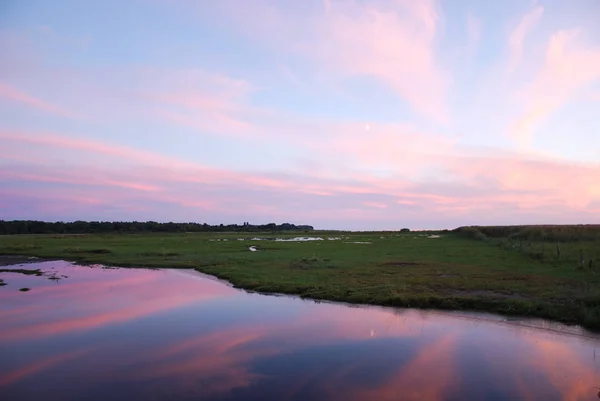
<point x="94" y="333"/>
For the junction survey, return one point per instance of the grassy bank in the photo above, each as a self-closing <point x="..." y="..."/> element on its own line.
<point x="458" y="270"/>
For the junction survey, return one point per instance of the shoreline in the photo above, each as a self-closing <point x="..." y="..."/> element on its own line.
<point x="503" y="308"/>
<point x="9" y="260"/>
<point x="477" y="315"/>
<point x="408" y="270"/>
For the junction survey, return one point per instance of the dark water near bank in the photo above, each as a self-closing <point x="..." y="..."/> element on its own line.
<point x="137" y="334"/>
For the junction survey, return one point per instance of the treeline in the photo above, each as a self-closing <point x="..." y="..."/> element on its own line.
<point x="92" y="227"/>
<point x="553" y="233"/>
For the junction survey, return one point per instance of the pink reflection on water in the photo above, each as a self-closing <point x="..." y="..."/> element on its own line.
<point x="179" y="334"/>
<point x="39" y="365"/>
<point x="94" y="297"/>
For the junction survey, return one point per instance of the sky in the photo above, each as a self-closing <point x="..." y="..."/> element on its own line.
<point x="342" y="114"/>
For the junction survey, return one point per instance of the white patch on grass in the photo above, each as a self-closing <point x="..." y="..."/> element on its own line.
<point x="298" y="239"/>
<point x="294" y="239"/>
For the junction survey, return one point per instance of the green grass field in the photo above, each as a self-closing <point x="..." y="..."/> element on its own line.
<point x="458" y="270"/>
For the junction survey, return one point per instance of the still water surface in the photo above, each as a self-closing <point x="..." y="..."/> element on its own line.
<point x="138" y="334"/>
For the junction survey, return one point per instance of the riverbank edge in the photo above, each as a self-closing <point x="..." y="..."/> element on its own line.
<point x="565" y="313"/>
<point x="505" y="307"/>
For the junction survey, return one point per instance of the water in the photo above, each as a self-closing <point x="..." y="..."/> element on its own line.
<point x="139" y="334"/>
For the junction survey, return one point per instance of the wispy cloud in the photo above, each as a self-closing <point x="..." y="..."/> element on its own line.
<point x="569" y="66"/>
<point x="519" y="34"/>
<point x="393" y="42"/>
<point x="335" y="112"/>
<point x="154" y="184"/>
<point x="371" y="40"/>
<point x="474" y="31"/>
<point x="14" y="95"/>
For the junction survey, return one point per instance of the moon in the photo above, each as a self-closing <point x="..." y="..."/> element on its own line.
<point x="367" y="127"/>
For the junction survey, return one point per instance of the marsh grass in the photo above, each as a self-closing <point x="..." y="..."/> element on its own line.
<point x="162" y="253"/>
<point x="17" y="248"/>
<point x="456" y="271"/>
<point x="312" y="262"/>
<point x="28" y="272"/>
<point x="577" y="247"/>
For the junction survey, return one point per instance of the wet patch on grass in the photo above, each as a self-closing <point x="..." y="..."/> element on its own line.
<point x="96" y="251"/>
<point x="400" y="263"/>
<point x="298" y="239"/>
<point x="487" y="294"/>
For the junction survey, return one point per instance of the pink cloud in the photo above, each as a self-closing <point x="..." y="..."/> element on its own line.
<point x="91" y="146"/>
<point x="208" y="102"/>
<point x="474" y="32"/>
<point x="18" y="96"/>
<point x="462" y="184"/>
<point x="376" y="41"/>
<point x="569" y="66"/>
<point x="325" y="168"/>
<point x="398" y="148"/>
<point x="376" y="205"/>
<point x="519" y="35"/>
<point x="207" y="121"/>
<point x="524" y="127"/>
<point x="349" y="38"/>
<point x="77" y="179"/>
<point x="540" y="180"/>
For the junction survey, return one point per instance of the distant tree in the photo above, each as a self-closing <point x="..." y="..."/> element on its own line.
<point x="84" y="227"/>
